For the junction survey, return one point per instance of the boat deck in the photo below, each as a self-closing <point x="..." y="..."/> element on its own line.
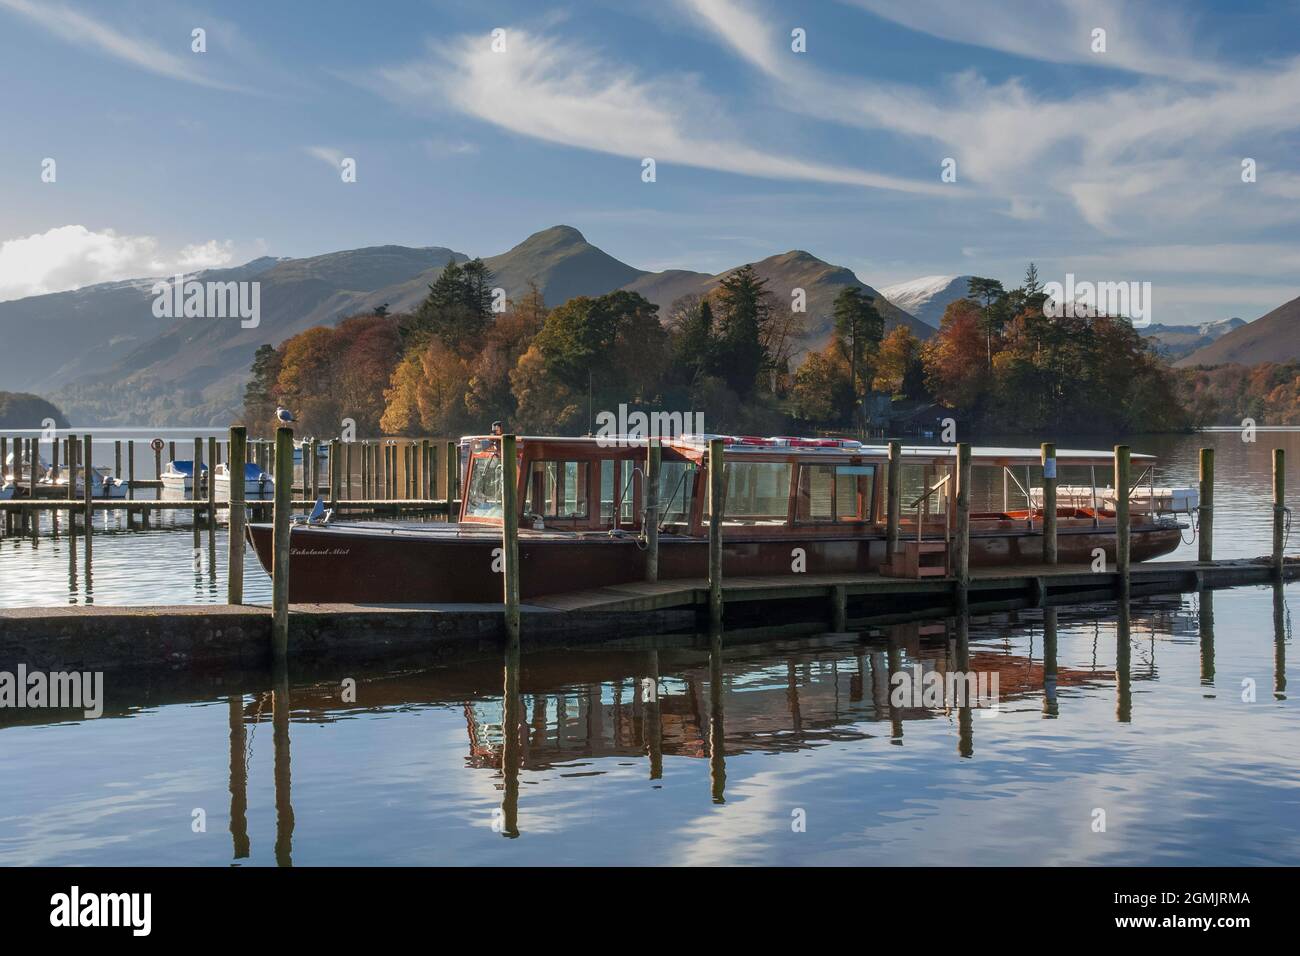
<point x="1040" y="579"/>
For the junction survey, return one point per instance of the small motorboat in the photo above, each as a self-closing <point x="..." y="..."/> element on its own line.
<point x="1158" y="499"/>
<point x="179" y="475"/>
<point x="581" y="506"/>
<point x="257" y="483"/>
<point x="102" y="485"/>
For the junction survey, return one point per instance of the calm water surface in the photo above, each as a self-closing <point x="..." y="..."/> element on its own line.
<point x="1172" y="722"/>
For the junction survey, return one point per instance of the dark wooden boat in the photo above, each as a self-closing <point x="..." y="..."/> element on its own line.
<point x="793" y="506"/>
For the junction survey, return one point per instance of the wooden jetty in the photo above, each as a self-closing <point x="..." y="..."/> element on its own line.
<point x="252" y="635"/>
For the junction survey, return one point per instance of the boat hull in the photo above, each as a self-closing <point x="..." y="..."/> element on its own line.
<point x="446" y="564"/>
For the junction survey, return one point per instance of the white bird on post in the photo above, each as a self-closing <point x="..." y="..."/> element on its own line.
<point x="284" y="415"/>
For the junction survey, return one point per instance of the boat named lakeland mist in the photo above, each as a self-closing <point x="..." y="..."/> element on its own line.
<point x="814" y="505"/>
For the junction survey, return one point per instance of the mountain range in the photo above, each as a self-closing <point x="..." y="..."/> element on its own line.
<point x="1173" y="342"/>
<point x="926" y="298"/>
<point x="1274" y="337"/>
<point x="105" y="358"/>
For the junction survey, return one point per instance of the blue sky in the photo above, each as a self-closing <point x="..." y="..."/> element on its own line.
<point x="1115" y="165"/>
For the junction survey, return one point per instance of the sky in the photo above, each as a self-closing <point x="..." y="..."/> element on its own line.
<point x="1115" y="157"/>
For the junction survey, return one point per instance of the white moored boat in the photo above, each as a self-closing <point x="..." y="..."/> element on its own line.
<point x="102" y="485"/>
<point x="179" y="476"/>
<point x="257" y="483"/>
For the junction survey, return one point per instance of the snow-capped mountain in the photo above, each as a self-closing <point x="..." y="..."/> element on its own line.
<point x="926" y="298"/>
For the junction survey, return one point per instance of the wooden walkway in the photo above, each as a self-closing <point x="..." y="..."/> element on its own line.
<point x="1037" y="581"/>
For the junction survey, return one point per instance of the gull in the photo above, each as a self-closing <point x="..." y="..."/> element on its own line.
<point x="284" y="415"/>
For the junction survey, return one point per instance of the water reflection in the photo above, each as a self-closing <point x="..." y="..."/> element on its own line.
<point x="560" y="743"/>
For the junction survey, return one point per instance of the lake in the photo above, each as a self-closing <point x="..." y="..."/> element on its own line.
<point x="1160" y="733"/>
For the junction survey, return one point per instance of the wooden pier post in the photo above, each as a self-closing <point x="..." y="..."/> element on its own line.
<point x="1279" y="508"/>
<point x="428" y="470"/>
<point x="1049" y="502"/>
<point x="893" y="500"/>
<point x="839" y="608"/>
<point x="157" y="463"/>
<point x="961" y="541"/>
<point x="452" y="468"/>
<point x="1122" y="526"/>
<point x="365" y="470"/>
<point x="4" y="470"/>
<point x="347" y="467"/>
<point x="510" y="538"/>
<point x="117" y="458"/>
<point x="87" y="463"/>
<point x="717" y="501"/>
<point x="654" y="457"/>
<point x="336" y="472"/>
<point x="196" y="468"/>
<point x="212" y="484"/>
<point x="1205" y="511"/>
<point x="283" y="516"/>
<point x="74" y="447"/>
<point x="33" y="465"/>
<point x="315" y="471"/>
<point x="235" y="560"/>
<point x="130" y="472"/>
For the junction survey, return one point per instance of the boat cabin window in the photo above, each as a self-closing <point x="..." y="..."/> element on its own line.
<point x="483" y="496"/>
<point x="619" y="487"/>
<point x="758" y="493"/>
<point x="676" y="492"/>
<point x="558" y="489"/>
<point x="833" y="492"/>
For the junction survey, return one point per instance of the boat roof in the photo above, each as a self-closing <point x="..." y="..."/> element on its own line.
<point x="995" y="455"/>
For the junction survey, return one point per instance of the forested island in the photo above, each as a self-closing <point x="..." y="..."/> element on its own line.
<point x="997" y="363"/>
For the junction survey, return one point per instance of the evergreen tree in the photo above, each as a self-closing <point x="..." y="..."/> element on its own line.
<point x="858" y="331"/>
<point x="260" y="398"/>
<point x="745" y="305"/>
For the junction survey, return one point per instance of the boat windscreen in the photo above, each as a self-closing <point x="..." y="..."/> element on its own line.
<point x="483" y="496"/>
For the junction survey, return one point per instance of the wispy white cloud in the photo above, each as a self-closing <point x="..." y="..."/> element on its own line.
<point x="562" y="92"/>
<point x="81" y="29"/>
<point x="326" y="154"/>
<point x="1119" y="155"/>
<point x="69" y="257"/>
<point x="1145" y="38"/>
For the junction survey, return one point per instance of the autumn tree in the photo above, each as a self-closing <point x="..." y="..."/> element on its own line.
<point x="821" y="393"/>
<point x="427" y="392"/>
<point x="899" y="370"/>
<point x="956" y="372"/>
<point x="612" y="343"/>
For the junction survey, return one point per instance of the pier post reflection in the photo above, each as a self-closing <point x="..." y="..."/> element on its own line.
<point x="511" y="718"/>
<point x="238" y="779"/>
<point x="1279" y="641"/>
<point x="1123" y="653"/>
<point x="1205" y="626"/>
<point x="717" y="737"/>
<point x="1050" y="706"/>
<point x="283" y="798"/>
<point x="965" y="718"/>
<point x="654" y="731"/>
<point x="895" y="664"/>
